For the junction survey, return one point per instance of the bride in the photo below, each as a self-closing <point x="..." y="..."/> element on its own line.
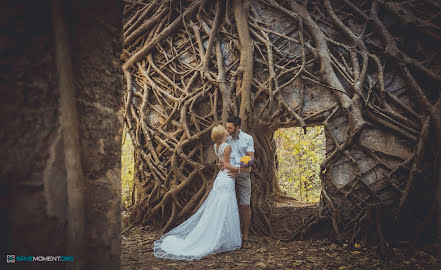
<point x="215" y="227"/>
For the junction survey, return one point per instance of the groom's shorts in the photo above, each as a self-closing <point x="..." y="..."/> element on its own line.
<point x="243" y="188"/>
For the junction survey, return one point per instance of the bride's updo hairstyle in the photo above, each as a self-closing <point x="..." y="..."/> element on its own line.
<point x="218" y="133"/>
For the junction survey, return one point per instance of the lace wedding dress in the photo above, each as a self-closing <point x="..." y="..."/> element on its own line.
<point x="214" y="228"/>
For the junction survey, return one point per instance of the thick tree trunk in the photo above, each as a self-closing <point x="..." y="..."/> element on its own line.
<point x="245" y="70"/>
<point x="70" y="127"/>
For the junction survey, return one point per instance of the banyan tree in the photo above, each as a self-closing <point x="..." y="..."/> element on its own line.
<point x="368" y="71"/>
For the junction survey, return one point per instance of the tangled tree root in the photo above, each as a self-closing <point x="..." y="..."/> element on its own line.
<point x="188" y="65"/>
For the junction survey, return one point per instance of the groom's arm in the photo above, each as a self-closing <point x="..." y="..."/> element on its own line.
<point x="250" y="148"/>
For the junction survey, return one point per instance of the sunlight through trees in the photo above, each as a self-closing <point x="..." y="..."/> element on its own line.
<point x="299" y="157"/>
<point x="127" y="168"/>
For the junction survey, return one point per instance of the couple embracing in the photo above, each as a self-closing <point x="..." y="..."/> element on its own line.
<point x="216" y="226"/>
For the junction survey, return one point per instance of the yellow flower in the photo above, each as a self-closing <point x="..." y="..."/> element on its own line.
<point x="245" y="159"/>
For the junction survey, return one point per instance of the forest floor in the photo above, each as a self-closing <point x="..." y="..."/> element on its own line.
<point x="269" y="253"/>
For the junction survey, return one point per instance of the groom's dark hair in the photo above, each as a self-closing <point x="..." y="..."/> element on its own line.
<point x="235" y="120"/>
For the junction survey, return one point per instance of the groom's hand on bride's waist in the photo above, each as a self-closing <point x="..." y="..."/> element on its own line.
<point x="220" y="165"/>
<point x="232" y="174"/>
<point x="242" y="170"/>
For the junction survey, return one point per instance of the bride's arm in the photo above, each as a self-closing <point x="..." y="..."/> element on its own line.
<point x="227" y="165"/>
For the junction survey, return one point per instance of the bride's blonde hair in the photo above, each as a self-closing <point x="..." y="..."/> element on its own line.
<point x="218" y="133"/>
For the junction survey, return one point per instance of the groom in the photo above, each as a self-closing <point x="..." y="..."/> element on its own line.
<point x="242" y="144"/>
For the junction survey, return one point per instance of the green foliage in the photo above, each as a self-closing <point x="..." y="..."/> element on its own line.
<point x="127" y="168"/>
<point x="299" y="156"/>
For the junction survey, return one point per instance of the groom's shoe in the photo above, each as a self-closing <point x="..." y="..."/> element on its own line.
<point x="246" y="244"/>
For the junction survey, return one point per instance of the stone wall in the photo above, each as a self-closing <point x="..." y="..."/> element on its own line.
<point x="33" y="185"/>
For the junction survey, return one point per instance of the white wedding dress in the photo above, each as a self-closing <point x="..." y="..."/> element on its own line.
<point x="214" y="228"/>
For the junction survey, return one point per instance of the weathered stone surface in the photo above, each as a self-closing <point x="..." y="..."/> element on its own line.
<point x="33" y="174"/>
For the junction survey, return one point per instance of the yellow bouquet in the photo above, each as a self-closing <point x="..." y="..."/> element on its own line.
<point x="246" y="161"/>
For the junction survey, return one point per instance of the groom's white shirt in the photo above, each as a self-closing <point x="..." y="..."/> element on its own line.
<point x="240" y="145"/>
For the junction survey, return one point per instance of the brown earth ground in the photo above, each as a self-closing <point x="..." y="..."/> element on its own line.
<point x="269" y="253"/>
